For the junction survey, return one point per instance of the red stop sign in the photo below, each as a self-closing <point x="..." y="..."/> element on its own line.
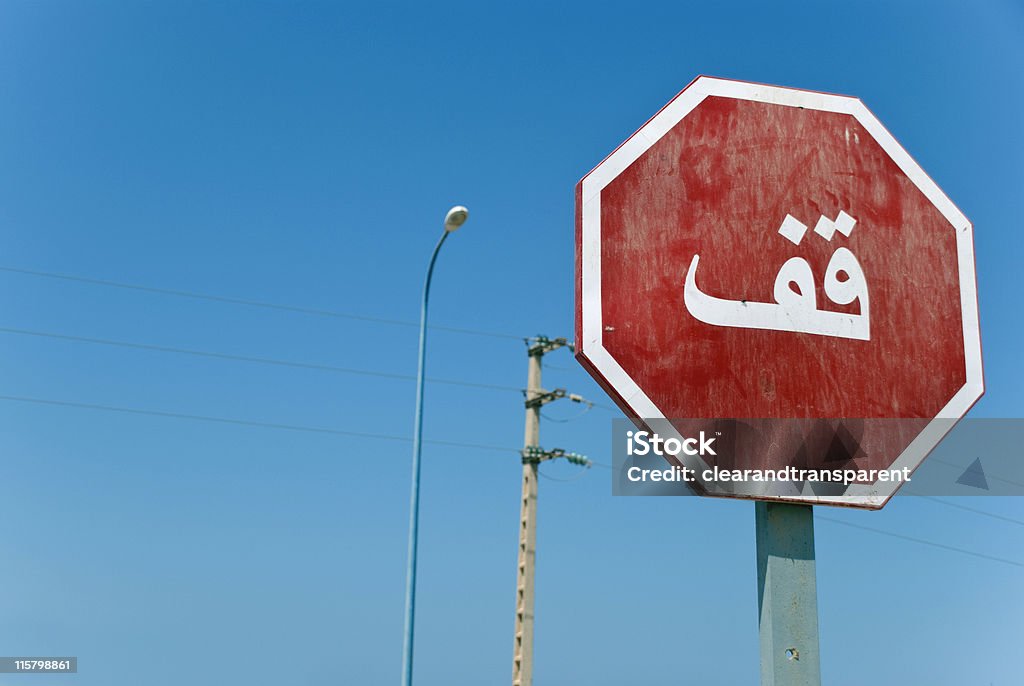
<point x="763" y="252"/>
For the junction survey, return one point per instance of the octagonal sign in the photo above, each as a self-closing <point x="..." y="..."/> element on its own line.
<point x="763" y="253"/>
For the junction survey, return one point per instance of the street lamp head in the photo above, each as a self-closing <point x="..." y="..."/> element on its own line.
<point x="455" y="218"/>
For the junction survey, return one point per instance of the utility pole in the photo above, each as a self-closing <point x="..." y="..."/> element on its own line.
<point x="535" y="398"/>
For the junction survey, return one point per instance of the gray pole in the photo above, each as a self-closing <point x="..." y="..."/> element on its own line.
<point x="455" y="218"/>
<point x="522" y="662"/>
<point x="414" y="497"/>
<point x="787" y="593"/>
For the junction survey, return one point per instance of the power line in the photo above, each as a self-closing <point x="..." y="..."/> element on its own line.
<point x="453" y="444"/>
<point x="196" y="295"/>
<point x="560" y="368"/>
<point x="245" y="422"/>
<point x="966" y="508"/>
<point x="247" y="358"/>
<point x="267" y="361"/>
<point x="581" y="473"/>
<point x="922" y="541"/>
<point x="566" y="420"/>
<point x="911" y="538"/>
<point x="988" y="474"/>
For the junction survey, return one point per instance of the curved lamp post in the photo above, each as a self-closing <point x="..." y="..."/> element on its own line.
<point x="455" y="218"/>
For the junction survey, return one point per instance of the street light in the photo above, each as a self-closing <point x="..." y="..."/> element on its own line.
<point x="455" y="218"/>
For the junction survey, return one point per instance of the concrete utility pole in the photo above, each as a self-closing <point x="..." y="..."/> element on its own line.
<point x="533" y="455"/>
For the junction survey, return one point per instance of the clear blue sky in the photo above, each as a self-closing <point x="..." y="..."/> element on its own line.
<point x="305" y="154"/>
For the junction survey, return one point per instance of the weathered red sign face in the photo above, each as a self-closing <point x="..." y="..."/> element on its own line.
<point x="763" y="252"/>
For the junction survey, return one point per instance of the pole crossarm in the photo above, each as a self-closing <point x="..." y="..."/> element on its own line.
<point x="535" y="455"/>
<point x="542" y="345"/>
<point x="542" y="397"/>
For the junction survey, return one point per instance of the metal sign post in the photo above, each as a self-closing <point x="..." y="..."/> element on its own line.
<point x="787" y="594"/>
